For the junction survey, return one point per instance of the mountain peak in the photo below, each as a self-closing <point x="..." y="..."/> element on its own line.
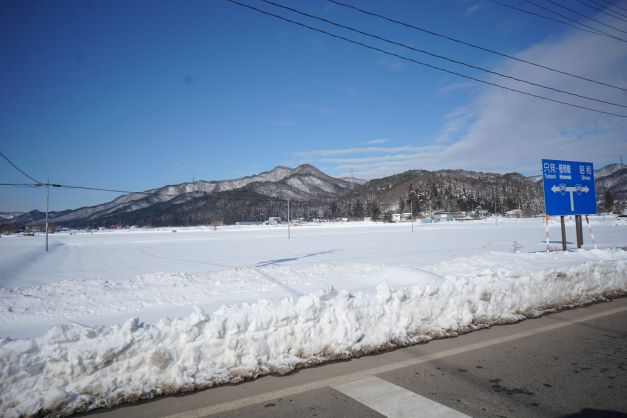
<point x="308" y="169"/>
<point x="279" y="168"/>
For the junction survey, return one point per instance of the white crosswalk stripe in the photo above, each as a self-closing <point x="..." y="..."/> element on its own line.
<point x="394" y="401"/>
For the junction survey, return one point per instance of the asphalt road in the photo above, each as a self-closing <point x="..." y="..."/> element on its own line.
<point x="568" y="364"/>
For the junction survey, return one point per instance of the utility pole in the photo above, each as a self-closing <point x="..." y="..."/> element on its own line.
<point x="288" y="219"/>
<point x="496" y="218"/>
<point x="47" y="199"/>
<point x="412" y="195"/>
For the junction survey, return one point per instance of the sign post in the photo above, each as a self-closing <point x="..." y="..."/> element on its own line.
<point x="563" y="225"/>
<point x="569" y="190"/>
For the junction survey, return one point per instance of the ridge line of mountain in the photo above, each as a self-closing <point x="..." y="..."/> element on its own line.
<point x="448" y="189"/>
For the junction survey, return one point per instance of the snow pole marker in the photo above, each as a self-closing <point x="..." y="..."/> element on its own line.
<point x="548" y="247"/>
<point x="591" y="234"/>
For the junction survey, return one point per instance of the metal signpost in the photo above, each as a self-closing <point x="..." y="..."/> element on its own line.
<point x="569" y="190"/>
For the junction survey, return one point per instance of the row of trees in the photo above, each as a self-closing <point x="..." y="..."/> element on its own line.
<point x="610" y="205"/>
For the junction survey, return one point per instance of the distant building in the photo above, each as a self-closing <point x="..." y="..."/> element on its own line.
<point x="442" y="217"/>
<point x="515" y="213"/>
<point x="479" y="213"/>
<point x="400" y="217"/>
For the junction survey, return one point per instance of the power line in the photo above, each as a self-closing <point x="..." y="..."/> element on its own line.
<point x="37" y="184"/>
<point x="442" y="56"/>
<point x="20" y="185"/>
<point x="473" y="45"/>
<point x="585" y="16"/>
<point x="611" y="4"/>
<point x="154" y="193"/>
<point x="600" y="8"/>
<point x="573" y="20"/>
<point x="423" y="63"/>
<point x="594" y="31"/>
<point x="17" y="168"/>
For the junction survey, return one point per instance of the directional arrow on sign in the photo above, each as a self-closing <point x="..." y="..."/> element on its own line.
<point x="576" y="189"/>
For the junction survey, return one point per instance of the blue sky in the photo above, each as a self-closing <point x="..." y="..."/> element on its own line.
<point x="136" y="95"/>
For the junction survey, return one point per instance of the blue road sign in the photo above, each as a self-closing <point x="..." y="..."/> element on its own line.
<point x="569" y="187"/>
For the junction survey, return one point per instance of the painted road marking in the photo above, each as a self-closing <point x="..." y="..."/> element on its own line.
<point x="332" y="381"/>
<point x="394" y="401"/>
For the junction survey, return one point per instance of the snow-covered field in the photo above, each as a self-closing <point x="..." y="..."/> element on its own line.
<point x="216" y="306"/>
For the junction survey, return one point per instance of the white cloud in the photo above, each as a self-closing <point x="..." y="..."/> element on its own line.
<point x="498" y="130"/>
<point x="472" y="9"/>
<point x="350" y="151"/>
<point x="392" y="64"/>
<point x="503" y="130"/>
<point x="378" y="141"/>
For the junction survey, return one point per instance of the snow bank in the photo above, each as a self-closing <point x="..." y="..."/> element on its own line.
<point x="74" y="368"/>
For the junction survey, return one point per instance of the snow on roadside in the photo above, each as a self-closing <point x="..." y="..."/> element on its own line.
<point x="74" y="368"/>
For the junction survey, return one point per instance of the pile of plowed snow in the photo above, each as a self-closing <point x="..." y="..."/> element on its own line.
<point x="75" y="367"/>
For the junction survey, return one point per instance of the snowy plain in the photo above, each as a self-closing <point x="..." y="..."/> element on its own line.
<point x="121" y="315"/>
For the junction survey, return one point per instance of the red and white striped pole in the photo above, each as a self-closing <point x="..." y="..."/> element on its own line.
<point x="548" y="247"/>
<point x="591" y="234"/>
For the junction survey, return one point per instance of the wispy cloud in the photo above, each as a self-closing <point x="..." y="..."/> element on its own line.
<point x="455" y="87"/>
<point x="472" y="9"/>
<point x="378" y="141"/>
<point x="350" y="151"/>
<point x="392" y="64"/>
<point x="497" y="130"/>
<point x="501" y="130"/>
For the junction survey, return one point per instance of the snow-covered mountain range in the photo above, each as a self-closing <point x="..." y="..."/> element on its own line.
<point x="316" y="194"/>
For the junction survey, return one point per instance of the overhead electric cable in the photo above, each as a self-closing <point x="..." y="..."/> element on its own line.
<point x="594" y="31"/>
<point x="574" y="20"/>
<point x="98" y="189"/>
<point x="162" y="194"/>
<point x="607" y="11"/>
<point x="67" y="186"/>
<point x="474" y="45"/>
<point x="20" y="185"/>
<point x="442" y="56"/>
<point x="18" y="169"/>
<point x="585" y="16"/>
<point x="423" y="63"/>
<point x="612" y="4"/>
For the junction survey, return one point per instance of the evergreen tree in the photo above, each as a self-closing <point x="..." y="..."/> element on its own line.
<point x="401" y="205"/>
<point x="372" y="209"/>
<point x="609" y="201"/>
<point x="358" y="209"/>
